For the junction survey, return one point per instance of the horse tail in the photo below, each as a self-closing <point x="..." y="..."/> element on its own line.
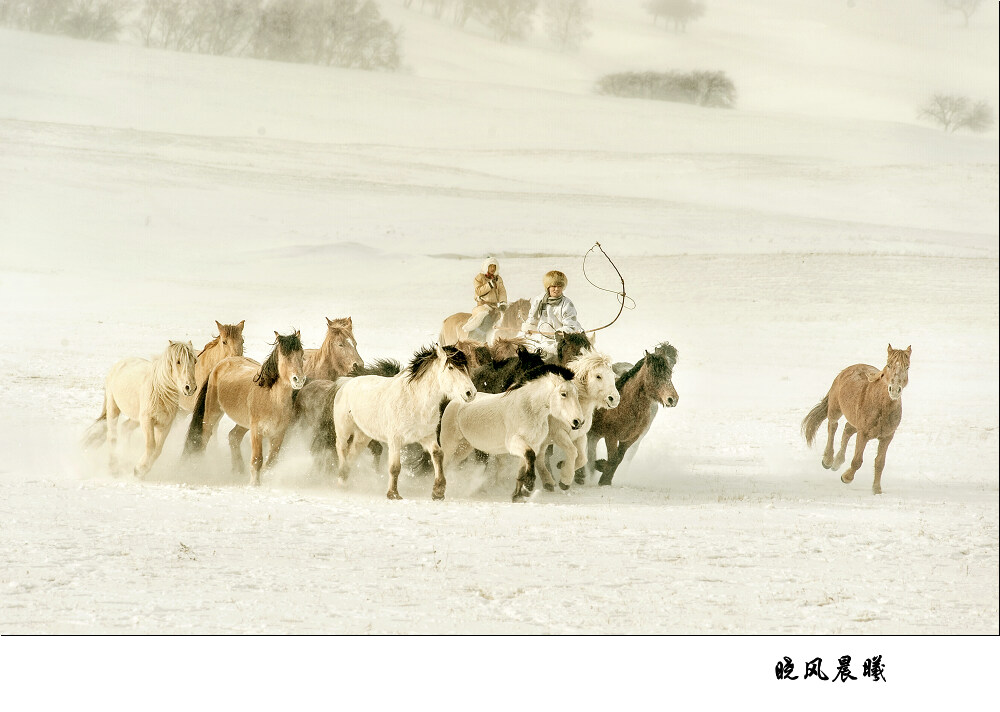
<point x="98" y="431"/>
<point x="195" y="440"/>
<point x="444" y="404"/>
<point x="811" y="423"/>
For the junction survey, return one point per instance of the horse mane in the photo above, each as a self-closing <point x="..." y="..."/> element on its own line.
<point x="163" y="387"/>
<point x="659" y="365"/>
<point x="541" y="371"/>
<point x="589" y="360"/>
<point x="268" y="374"/>
<point x="424" y="357"/>
<point x="387" y="367"/>
<point x="209" y="345"/>
<point x="572" y="338"/>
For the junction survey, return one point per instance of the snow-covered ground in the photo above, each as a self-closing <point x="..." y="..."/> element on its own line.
<point x="145" y="194"/>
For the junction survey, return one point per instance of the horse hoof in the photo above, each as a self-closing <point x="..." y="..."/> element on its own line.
<point x="437" y="496"/>
<point x="563" y="487"/>
<point x="826" y="466"/>
<point x="846" y="479"/>
<point x="601" y="465"/>
<point x="392" y="495"/>
<point x="604" y="483"/>
<point x="580" y="479"/>
<point x="876" y="489"/>
<point x="549" y="488"/>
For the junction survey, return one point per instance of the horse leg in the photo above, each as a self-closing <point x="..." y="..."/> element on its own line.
<point x="437" y="459"/>
<point x="525" y="476"/>
<point x="580" y="444"/>
<point x="155" y="434"/>
<point x="256" y="453"/>
<point x="832" y="422"/>
<point x="587" y="470"/>
<point x="849" y="430"/>
<point x="571" y="455"/>
<point x="394" y="467"/>
<point x="236" y="436"/>
<point x="883" y="446"/>
<point x="274" y="447"/>
<point x="859" y="451"/>
<point x="542" y="468"/>
<point x="613" y="461"/>
<point x="112" y="433"/>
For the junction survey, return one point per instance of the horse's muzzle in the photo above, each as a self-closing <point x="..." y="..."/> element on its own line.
<point x="576" y="424"/>
<point x="469" y="395"/>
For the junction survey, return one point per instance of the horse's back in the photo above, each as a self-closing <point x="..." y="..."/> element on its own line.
<point x="451" y="328"/>
<point x="125" y="384"/>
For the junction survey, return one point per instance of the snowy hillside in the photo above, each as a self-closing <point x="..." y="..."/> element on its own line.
<point x="145" y="194"/>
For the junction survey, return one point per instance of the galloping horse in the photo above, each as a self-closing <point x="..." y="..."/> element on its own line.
<point x="229" y="342"/>
<point x="512" y="423"/>
<point x="505" y="324"/>
<point x="596" y="382"/>
<point x="257" y="397"/>
<point x="400" y="410"/>
<point x="869" y="400"/>
<point x="146" y="393"/>
<point x="338" y="354"/>
<point x="650" y="381"/>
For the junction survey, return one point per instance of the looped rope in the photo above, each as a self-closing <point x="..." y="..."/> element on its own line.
<point x="619" y="294"/>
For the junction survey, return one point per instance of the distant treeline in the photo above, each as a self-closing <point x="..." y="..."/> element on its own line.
<point x="701" y="88"/>
<point x="342" y="33"/>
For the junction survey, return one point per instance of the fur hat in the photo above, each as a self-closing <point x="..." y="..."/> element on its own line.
<point x="486" y="265"/>
<point x="555" y="278"/>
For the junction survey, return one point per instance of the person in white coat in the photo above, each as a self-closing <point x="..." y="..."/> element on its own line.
<point x="550" y="312"/>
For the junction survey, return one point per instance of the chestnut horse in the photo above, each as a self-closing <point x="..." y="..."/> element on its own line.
<point x="869" y="400"/>
<point x="229" y="342"/>
<point x="257" y="397"/>
<point x="649" y="382"/>
<point x="338" y="354"/>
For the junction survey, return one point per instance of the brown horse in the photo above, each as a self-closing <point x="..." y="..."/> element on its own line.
<point x="869" y="400"/>
<point x="229" y="342"/>
<point x="505" y="324"/>
<point x="257" y="397"/>
<point x="649" y="381"/>
<point x="338" y="354"/>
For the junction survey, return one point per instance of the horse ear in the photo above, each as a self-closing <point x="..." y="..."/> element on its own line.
<point x="241" y="324"/>
<point x="909" y="350"/>
<point x="190" y="344"/>
<point x="890" y="348"/>
<point x="218" y="325"/>
<point x="645" y="353"/>
<point x="438" y="350"/>
<point x="298" y="334"/>
<point x="328" y="322"/>
<point x="349" y="323"/>
<point x="276" y="334"/>
<point x="592" y="339"/>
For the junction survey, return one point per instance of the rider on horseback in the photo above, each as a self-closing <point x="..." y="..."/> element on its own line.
<point x="550" y="312"/>
<point x="491" y="296"/>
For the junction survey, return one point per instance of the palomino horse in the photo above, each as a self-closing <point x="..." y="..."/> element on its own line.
<point x="596" y="382"/>
<point x="505" y="324"/>
<point x="257" y="397"/>
<point x="869" y="400"/>
<point x="338" y="354"/>
<point x="400" y="410"/>
<point x="146" y="393"/>
<point x="649" y="381"/>
<point x="229" y="342"/>
<point x="512" y="423"/>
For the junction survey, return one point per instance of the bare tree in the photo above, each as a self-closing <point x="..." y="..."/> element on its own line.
<point x="681" y="12"/>
<point x="953" y="112"/>
<point x="966" y="7"/>
<point x="566" y="22"/>
<point x="509" y="19"/>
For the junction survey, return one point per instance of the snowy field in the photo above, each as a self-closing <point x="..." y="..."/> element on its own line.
<point x="145" y="194"/>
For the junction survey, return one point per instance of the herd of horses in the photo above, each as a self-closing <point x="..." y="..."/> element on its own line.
<point x="455" y="399"/>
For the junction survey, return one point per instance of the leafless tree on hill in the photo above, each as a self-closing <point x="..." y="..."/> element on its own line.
<point x="953" y="112"/>
<point x="966" y="7"/>
<point x="681" y="12"/>
<point x="566" y="22"/>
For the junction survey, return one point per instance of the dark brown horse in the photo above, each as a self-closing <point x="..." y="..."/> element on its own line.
<point x="869" y="400"/>
<point x="648" y="382"/>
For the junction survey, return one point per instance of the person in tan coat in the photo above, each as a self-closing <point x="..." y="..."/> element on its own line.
<point x="491" y="295"/>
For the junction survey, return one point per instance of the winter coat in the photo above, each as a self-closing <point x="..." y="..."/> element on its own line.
<point x="488" y="292"/>
<point x="551" y="317"/>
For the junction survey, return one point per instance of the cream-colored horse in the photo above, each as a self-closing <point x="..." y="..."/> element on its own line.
<point x="146" y="393"/>
<point x="257" y="397"/>
<point x="595" y="379"/>
<point x="870" y="400"/>
<point x="338" y="354"/>
<point x="505" y="325"/>
<point x="229" y="342"/>
<point x="515" y="422"/>
<point x="400" y="410"/>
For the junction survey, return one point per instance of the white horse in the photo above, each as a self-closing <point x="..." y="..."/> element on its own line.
<point x="399" y="410"/>
<point x="595" y="379"/>
<point x="147" y="394"/>
<point x="512" y="423"/>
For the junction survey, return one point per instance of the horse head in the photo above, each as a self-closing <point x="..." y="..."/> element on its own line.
<point x="340" y="345"/>
<point x="231" y="338"/>
<point x="181" y="360"/>
<point x="452" y="368"/>
<point x="569" y="345"/>
<point x="896" y="373"/>
<point x="597" y="378"/>
<point x="657" y="372"/>
<point x="564" y="399"/>
<point x="285" y="363"/>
